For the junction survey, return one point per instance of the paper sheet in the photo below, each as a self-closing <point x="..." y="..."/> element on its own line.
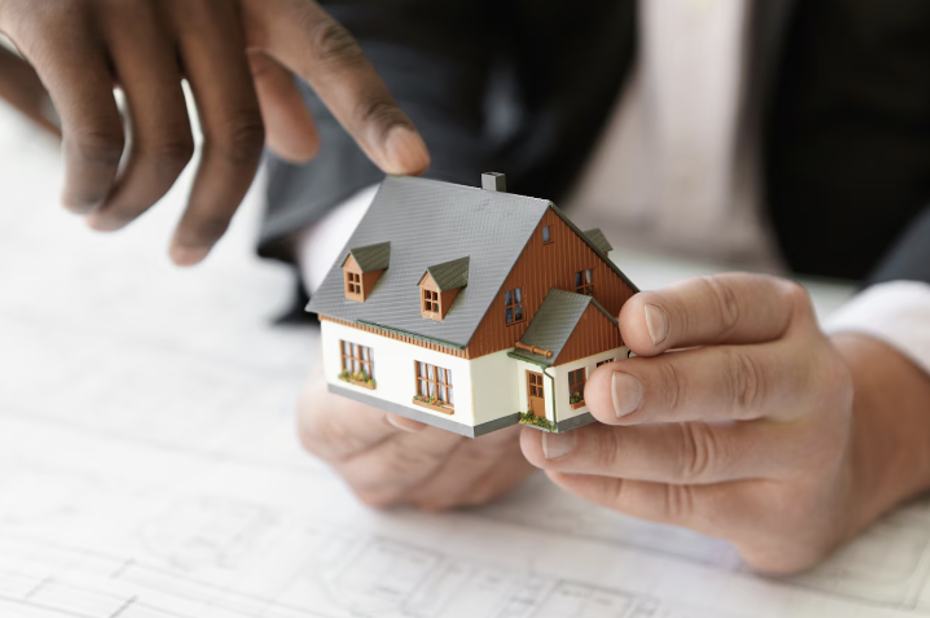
<point x="149" y="469"/>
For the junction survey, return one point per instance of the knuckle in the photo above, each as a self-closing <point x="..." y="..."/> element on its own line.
<point x="384" y="114"/>
<point x="678" y="503"/>
<point x="476" y="456"/>
<point x="695" y="453"/>
<point x="243" y="139"/>
<point x="746" y="383"/>
<point x="606" y="447"/>
<point x="103" y="148"/>
<point x="726" y="302"/>
<point x="174" y="152"/>
<point x="673" y="386"/>
<point x="402" y="461"/>
<point x="330" y="41"/>
<point x="615" y="494"/>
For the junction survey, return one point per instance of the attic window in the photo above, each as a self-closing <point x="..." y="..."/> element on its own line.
<point x="430" y="301"/>
<point x="584" y="282"/>
<point x="353" y="283"/>
<point x="547" y="235"/>
<point x="513" y="306"/>
<point x="362" y="268"/>
<point x="439" y="287"/>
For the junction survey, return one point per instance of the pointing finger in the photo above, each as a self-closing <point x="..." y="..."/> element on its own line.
<point x="308" y="41"/>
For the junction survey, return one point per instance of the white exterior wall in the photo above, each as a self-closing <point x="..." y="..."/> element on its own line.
<point x="496" y="393"/>
<point x="485" y="388"/>
<point x="561" y="380"/>
<point x="395" y="371"/>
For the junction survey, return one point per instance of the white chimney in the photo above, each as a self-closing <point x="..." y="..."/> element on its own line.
<point x="494" y="181"/>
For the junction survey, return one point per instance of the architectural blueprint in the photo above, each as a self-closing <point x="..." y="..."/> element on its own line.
<point x="149" y="466"/>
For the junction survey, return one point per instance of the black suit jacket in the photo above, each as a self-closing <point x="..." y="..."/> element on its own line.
<point x="843" y="89"/>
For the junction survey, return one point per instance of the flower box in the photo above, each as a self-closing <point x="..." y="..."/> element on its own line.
<point x="362" y="381"/>
<point x="435" y="407"/>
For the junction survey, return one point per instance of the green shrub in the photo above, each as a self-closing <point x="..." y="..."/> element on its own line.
<point x="528" y="418"/>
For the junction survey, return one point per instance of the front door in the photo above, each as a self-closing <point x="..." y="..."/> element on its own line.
<point x="534" y="392"/>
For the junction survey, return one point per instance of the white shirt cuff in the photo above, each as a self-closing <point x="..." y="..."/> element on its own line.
<point x="319" y="245"/>
<point x="897" y="313"/>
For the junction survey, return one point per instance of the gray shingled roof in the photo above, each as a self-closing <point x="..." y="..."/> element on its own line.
<point x="596" y="236"/>
<point x="554" y="323"/>
<point x="491" y="228"/>
<point x="450" y="275"/>
<point x="372" y="257"/>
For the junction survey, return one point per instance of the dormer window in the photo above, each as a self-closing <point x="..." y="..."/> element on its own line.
<point x="430" y="301"/>
<point x="439" y="287"/>
<point x="362" y="268"/>
<point x="354" y="285"/>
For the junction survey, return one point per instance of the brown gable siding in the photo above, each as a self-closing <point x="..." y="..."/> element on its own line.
<point x="540" y="268"/>
<point x="595" y="333"/>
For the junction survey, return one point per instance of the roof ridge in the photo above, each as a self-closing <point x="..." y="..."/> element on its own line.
<point x="470" y="188"/>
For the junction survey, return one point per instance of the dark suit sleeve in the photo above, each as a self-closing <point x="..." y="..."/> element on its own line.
<point x="909" y="258"/>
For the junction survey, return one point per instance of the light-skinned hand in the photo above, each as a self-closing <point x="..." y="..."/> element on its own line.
<point x="390" y="460"/>
<point x="762" y="431"/>
<point x="240" y="57"/>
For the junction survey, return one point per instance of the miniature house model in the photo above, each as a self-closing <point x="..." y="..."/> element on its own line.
<point x="470" y="309"/>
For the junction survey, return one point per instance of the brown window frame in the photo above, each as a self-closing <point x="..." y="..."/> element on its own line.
<point x="429" y="302"/>
<point x="355" y="355"/>
<point x="574" y="385"/>
<point x="604" y="362"/>
<point x="514" y="306"/>
<point x="446" y="399"/>
<point x="547" y="230"/>
<point x="584" y="282"/>
<point x="353" y="280"/>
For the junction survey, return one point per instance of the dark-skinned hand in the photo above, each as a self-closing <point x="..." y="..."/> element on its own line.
<point x="240" y="58"/>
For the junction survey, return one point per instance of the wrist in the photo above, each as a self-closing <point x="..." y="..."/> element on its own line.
<point x="890" y="445"/>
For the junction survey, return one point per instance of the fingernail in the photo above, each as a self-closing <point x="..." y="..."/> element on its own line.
<point x="657" y="323"/>
<point x="188" y="256"/>
<point x="557" y="445"/>
<point x="404" y="424"/>
<point x="626" y="392"/>
<point x="407" y="152"/>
